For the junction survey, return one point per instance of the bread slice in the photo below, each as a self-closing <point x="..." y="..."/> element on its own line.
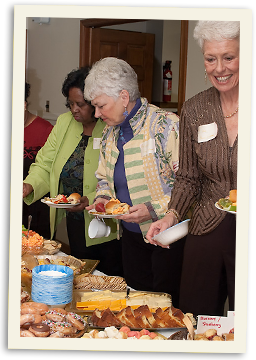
<point x="121" y="316"/>
<point x="142" y="321"/>
<point x="172" y="317"/>
<point x="96" y="316"/>
<point x="131" y="317"/>
<point x="159" y="323"/>
<point x="146" y="315"/>
<point x="108" y="319"/>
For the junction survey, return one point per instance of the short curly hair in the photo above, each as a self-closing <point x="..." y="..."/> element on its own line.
<point x="110" y="76"/>
<point x="75" y="79"/>
<point x="216" y="31"/>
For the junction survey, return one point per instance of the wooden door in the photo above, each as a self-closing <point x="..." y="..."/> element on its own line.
<point x="134" y="47"/>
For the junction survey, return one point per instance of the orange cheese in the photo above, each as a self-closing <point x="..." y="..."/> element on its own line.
<point x="114" y="305"/>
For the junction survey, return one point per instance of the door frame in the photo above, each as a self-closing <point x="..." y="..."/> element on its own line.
<point x="85" y="32"/>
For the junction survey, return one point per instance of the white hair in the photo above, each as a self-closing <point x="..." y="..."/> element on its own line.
<point x="216" y="31"/>
<point x="110" y="76"/>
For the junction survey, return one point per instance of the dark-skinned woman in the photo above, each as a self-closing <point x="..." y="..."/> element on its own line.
<point x="67" y="164"/>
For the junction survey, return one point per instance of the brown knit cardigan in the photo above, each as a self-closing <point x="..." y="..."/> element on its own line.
<point x="207" y="170"/>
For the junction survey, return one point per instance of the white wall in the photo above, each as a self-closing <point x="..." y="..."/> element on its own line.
<point x="195" y="66"/>
<point x="52" y="52"/>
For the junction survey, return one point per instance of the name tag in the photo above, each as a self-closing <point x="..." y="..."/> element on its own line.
<point x="207" y="132"/>
<point x="148" y="147"/>
<point x="96" y="143"/>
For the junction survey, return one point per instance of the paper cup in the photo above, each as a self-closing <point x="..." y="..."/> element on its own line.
<point x="97" y="229"/>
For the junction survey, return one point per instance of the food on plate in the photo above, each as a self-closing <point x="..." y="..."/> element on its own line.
<point x="74" y="198"/>
<point x="35" y="321"/>
<point x="76" y="320"/>
<point x="32" y="242"/>
<point x="233" y="196"/>
<point x="112" y="207"/>
<point x="40" y="329"/>
<point x="26" y="333"/>
<point x="63" y="199"/>
<point x="24" y="296"/>
<point x="117" y="300"/>
<point x="89" y="281"/>
<point x="111" y="332"/>
<point x="229" y="203"/>
<point x="212" y="335"/>
<point x="228" y="336"/>
<point x="55" y="315"/>
<point x="100" y="208"/>
<point x="115" y="207"/>
<point x="58" y="199"/>
<point x="141" y="317"/>
<point x="28" y="307"/>
<point x="51" y="247"/>
<point x="26" y="318"/>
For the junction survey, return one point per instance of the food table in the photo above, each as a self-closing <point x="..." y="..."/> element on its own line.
<point x="99" y="304"/>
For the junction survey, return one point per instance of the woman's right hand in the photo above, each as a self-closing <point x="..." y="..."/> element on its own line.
<point x="27" y="189"/>
<point x="159" y="226"/>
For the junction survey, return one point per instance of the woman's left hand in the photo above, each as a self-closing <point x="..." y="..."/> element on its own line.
<point x="137" y="214"/>
<point x="84" y="201"/>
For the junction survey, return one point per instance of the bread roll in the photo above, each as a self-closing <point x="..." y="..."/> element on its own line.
<point x="74" y="198"/>
<point x="110" y="206"/>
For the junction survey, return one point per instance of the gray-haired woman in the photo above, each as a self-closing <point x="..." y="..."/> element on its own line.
<point x="207" y="172"/>
<point x="138" y="162"/>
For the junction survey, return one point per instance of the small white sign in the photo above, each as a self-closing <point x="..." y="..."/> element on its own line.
<point x="96" y="143"/>
<point x="207" y="132"/>
<point x="220" y="323"/>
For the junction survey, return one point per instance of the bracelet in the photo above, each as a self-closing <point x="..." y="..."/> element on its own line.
<point x="106" y="197"/>
<point x="174" y="212"/>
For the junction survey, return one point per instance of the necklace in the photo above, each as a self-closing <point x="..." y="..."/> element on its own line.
<point x="229" y="116"/>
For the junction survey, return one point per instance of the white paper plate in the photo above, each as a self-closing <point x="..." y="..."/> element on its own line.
<point x="58" y="206"/>
<point x="173" y="233"/>
<point x="103" y="216"/>
<point x="218" y="207"/>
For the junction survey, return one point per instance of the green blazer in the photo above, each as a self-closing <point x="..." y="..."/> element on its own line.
<point x="44" y="173"/>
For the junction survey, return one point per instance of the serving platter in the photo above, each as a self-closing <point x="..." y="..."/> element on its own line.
<point x="90" y="324"/>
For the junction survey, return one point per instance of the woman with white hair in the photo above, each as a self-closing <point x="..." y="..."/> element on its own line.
<point x="138" y="162"/>
<point x="207" y="172"/>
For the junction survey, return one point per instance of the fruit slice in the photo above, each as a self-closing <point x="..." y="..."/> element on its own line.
<point x="100" y="207"/>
